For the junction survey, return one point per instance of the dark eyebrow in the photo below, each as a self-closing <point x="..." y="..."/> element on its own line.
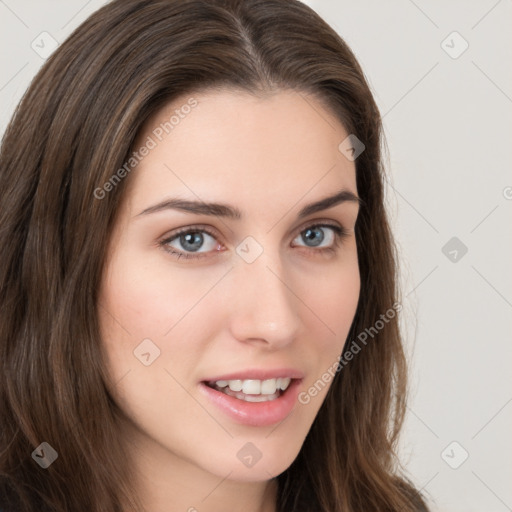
<point x="231" y="212"/>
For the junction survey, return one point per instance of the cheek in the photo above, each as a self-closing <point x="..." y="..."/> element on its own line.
<point x="141" y="301"/>
<point x="333" y="298"/>
<point x="335" y="305"/>
<point x="147" y="299"/>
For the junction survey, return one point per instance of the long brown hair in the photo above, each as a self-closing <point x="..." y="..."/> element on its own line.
<point x="73" y="129"/>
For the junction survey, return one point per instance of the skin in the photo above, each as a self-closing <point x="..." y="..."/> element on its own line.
<point x="291" y="307"/>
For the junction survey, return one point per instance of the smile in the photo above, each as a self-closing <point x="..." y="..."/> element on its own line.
<point x="252" y="390"/>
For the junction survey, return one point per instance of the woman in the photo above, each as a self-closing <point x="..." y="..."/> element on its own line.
<point x="199" y="306"/>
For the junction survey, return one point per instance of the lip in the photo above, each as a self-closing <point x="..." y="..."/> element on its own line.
<point x="256" y="414"/>
<point x="259" y="374"/>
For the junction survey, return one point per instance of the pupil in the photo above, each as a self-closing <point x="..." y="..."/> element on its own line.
<point x="188" y="240"/>
<point x="310" y="234"/>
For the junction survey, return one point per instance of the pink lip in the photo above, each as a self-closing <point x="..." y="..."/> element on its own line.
<point x="256" y="414"/>
<point x="259" y="374"/>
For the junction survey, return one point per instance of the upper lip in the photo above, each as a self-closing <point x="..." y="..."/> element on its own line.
<point x="259" y="374"/>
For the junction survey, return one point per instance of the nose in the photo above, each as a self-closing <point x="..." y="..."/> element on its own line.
<point x="265" y="308"/>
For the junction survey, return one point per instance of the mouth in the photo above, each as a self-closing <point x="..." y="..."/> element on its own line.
<point x="259" y="399"/>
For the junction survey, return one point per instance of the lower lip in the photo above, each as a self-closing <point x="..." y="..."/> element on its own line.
<point x="256" y="414"/>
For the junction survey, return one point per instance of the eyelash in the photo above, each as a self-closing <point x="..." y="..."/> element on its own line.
<point x="339" y="235"/>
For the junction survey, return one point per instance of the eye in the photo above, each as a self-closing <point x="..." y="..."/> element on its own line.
<point x="188" y="242"/>
<point x="315" y="235"/>
<point x="190" y="239"/>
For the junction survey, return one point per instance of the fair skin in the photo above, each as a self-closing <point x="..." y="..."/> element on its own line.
<point x="290" y="308"/>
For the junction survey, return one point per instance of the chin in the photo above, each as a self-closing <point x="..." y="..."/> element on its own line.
<point x="256" y="458"/>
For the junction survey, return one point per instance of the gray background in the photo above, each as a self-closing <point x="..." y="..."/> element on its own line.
<point x="448" y="125"/>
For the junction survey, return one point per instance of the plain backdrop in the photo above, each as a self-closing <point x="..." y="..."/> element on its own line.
<point x="440" y="72"/>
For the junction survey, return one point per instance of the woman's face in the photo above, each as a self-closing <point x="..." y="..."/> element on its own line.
<point x="201" y="327"/>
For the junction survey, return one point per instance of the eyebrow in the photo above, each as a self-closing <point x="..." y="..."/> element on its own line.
<point x="231" y="212"/>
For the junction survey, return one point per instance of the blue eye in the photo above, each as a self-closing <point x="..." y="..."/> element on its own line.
<point x="192" y="239"/>
<point x="310" y="234"/>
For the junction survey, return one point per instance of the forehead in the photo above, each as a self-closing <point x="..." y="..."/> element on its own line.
<point x="231" y="144"/>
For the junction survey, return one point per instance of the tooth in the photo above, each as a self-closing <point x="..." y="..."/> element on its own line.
<point x="255" y="387"/>
<point x="235" y="385"/>
<point x="268" y="387"/>
<point x="251" y="387"/>
<point x="285" y="382"/>
<point x="259" y="398"/>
